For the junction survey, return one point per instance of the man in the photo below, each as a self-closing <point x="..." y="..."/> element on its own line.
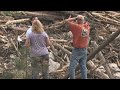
<point x="30" y="29"/>
<point x="80" y="30"/>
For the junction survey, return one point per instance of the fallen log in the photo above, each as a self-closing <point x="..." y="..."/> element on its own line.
<point x="105" y="43"/>
<point x="68" y="48"/>
<point x="112" y="12"/>
<point x="40" y="15"/>
<point x="19" y="54"/>
<point x="101" y="57"/>
<point x="59" y="40"/>
<point x="93" y="19"/>
<point x="63" y="68"/>
<point x="60" y="59"/>
<point x="106" y="18"/>
<point x="17" y="21"/>
<point x="18" y="29"/>
<point x="97" y="50"/>
<point x="62" y="48"/>
<point x="98" y="72"/>
<point x="3" y="21"/>
<point x="100" y="22"/>
<point x="116" y="50"/>
<point x="1" y="33"/>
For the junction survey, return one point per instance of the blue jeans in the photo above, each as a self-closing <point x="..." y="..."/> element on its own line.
<point x="40" y="64"/>
<point x="79" y="55"/>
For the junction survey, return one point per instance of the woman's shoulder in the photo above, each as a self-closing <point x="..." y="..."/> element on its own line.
<point x="44" y="33"/>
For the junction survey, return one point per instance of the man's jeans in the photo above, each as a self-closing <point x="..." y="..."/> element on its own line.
<point x="79" y="55"/>
<point x="40" y="64"/>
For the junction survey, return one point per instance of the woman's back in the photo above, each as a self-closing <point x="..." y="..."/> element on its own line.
<point x="38" y="44"/>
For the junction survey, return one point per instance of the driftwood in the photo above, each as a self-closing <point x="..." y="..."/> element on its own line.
<point x="115" y="49"/>
<point x="100" y="22"/>
<point x="62" y="48"/>
<point x="60" y="60"/>
<point x="55" y="25"/>
<point x="97" y="50"/>
<point x="3" y="21"/>
<point x="68" y="48"/>
<point x="106" y="18"/>
<point x="94" y="20"/>
<point x="1" y="33"/>
<point x="105" y="43"/>
<point x="41" y="15"/>
<point x="98" y="72"/>
<point x="63" y="68"/>
<point x="18" y="29"/>
<point x="59" y="40"/>
<point x="101" y="57"/>
<point x="15" y="47"/>
<point x="16" y="21"/>
<point x="114" y="14"/>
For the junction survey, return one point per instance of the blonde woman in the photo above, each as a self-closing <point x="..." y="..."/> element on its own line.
<point x="37" y="41"/>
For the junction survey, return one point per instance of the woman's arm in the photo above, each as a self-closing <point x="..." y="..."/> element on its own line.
<point x="70" y="19"/>
<point x="48" y="43"/>
<point x="27" y="43"/>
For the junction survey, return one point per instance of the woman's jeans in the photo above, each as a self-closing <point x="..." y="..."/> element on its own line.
<point x="79" y="55"/>
<point x="40" y="64"/>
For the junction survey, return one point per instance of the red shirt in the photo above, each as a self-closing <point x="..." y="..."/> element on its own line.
<point x="78" y="40"/>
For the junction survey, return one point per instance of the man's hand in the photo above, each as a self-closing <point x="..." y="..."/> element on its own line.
<point x="70" y="19"/>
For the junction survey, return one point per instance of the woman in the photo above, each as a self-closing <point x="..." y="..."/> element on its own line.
<point x="38" y="41"/>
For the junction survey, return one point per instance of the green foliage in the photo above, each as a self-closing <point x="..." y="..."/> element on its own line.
<point x="21" y="61"/>
<point x="7" y="75"/>
<point x="20" y="74"/>
<point x="20" y="64"/>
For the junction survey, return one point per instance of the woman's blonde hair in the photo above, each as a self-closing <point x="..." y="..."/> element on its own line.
<point x="37" y="26"/>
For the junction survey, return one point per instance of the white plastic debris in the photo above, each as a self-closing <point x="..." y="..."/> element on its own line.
<point x="12" y="56"/>
<point x="53" y="66"/>
<point x="19" y="39"/>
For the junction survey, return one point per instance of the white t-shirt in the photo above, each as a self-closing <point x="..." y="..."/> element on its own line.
<point x="29" y="31"/>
